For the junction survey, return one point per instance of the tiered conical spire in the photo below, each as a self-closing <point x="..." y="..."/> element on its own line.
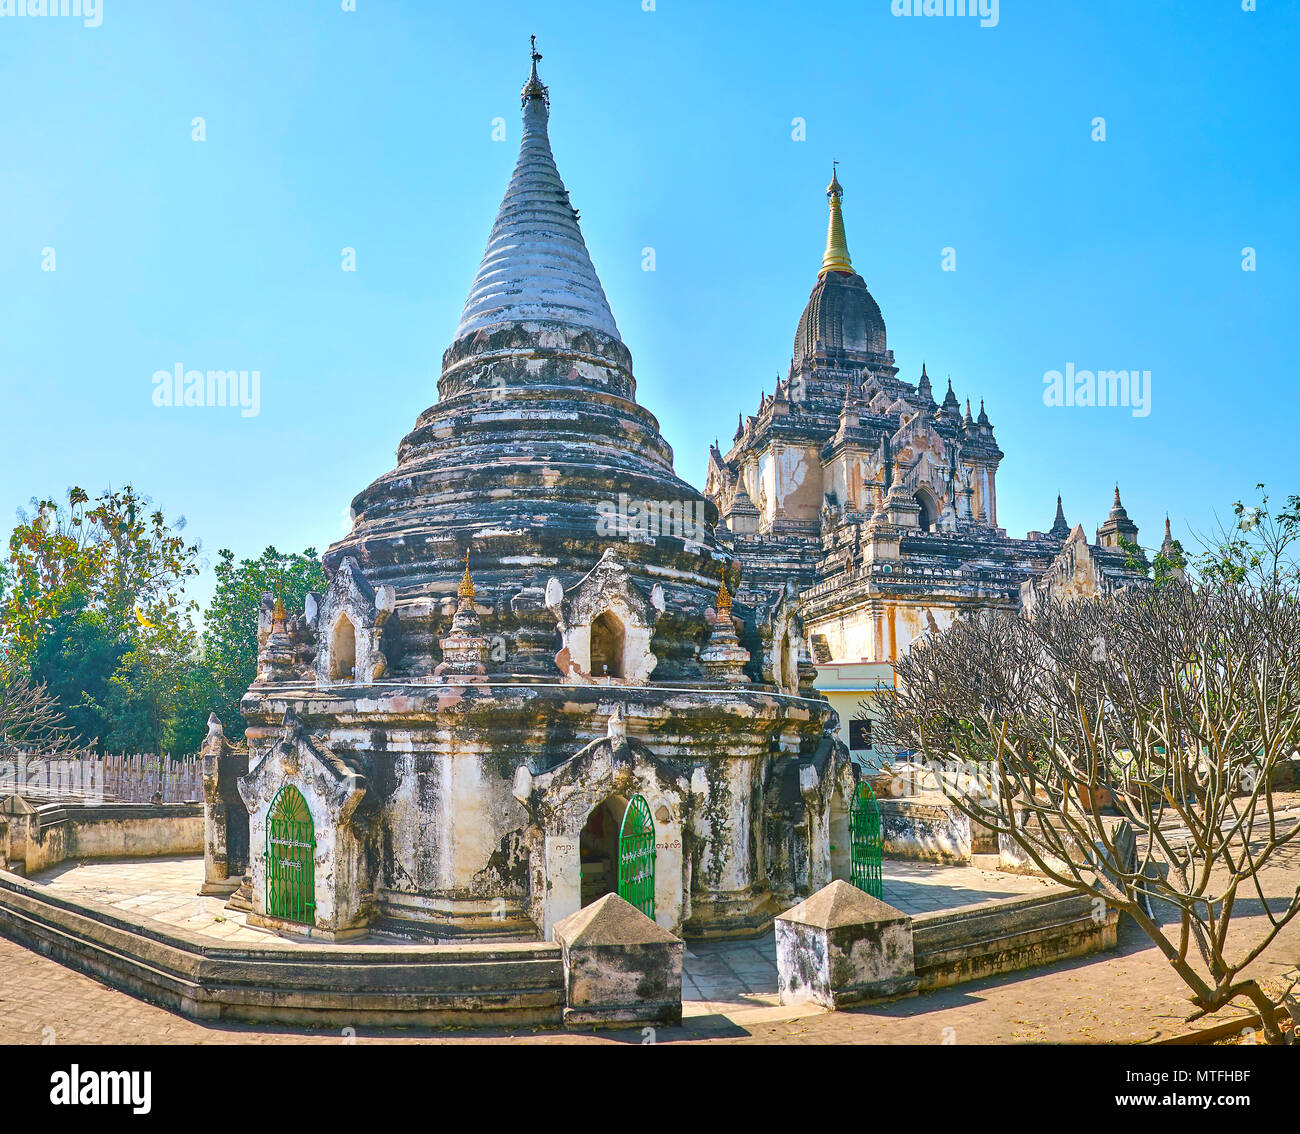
<point x="1059" y="526"/>
<point x="836" y="258"/>
<point x="536" y="267"/>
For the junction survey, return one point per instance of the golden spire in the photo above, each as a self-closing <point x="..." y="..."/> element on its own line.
<point x="837" y="247"/>
<point x="278" y="614"/>
<point x="466" y="588"/>
<point x="723" y="601"/>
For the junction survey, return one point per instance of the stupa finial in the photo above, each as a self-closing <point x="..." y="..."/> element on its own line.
<point x="535" y="88"/>
<point x="466" y="588"/>
<point x="836" y="258"/>
<point x="279" y="616"/>
<point x="724" y="596"/>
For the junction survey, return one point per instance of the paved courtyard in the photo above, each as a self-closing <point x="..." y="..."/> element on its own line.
<point x="738" y="978"/>
<point x="1129" y="995"/>
<point x="733" y="979"/>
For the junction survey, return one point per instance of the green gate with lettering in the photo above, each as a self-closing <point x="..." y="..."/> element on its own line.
<point x="290" y="859"/>
<point x="636" y="856"/>
<point x="866" y="842"/>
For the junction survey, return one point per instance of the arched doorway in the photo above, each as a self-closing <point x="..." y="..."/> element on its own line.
<point x="929" y="509"/>
<point x="598" y="847"/>
<point x="291" y="858"/>
<point x="607" y="646"/>
<point x="343" y="650"/>
<point x="636" y="856"/>
<point x="866" y="842"/>
<point x="841" y="859"/>
<point x="788" y="665"/>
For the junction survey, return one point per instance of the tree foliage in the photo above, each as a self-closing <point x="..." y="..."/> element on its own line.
<point x="230" y="625"/>
<point x="1130" y="746"/>
<point x="94" y="610"/>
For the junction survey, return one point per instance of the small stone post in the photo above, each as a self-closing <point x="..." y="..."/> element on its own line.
<point x="620" y="968"/>
<point x="842" y="946"/>
<point x="225" y="851"/>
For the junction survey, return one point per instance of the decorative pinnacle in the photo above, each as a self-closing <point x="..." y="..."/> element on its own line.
<point x="278" y="614"/>
<point x="535" y="88"/>
<point x="836" y="258"/>
<point x="466" y="588"/>
<point x="723" y="602"/>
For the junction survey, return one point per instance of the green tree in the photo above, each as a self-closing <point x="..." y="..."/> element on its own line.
<point x="94" y="607"/>
<point x="230" y="623"/>
<point x="1258" y="548"/>
<point x="75" y="658"/>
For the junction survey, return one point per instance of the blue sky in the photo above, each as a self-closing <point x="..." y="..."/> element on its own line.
<point x="673" y="129"/>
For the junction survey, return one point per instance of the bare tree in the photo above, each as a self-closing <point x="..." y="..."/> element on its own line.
<point x="30" y="718"/>
<point x="1128" y="747"/>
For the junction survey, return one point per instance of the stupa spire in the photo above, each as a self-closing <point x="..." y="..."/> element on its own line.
<point x="536" y="268"/>
<point x="836" y="258"/>
<point x="1059" y="526"/>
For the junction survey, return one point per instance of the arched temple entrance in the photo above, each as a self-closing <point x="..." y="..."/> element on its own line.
<point x="598" y="847"/>
<point x="343" y="650"/>
<point x="841" y="859"/>
<point x="929" y="509"/>
<point x="607" y="646"/>
<point x="636" y="856"/>
<point x="291" y="858"/>
<point x="787" y="662"/>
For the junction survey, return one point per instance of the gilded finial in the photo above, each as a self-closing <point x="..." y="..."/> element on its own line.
<point x="278" y="614"/>
<point x="836" y="258"/>
<point x="466" y="588"/>
<point x="534" y="88"/>
<point x="723" y="602"/>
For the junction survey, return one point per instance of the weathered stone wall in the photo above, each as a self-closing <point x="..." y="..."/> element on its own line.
<point x="449" y="842"/>
<point x="926" y="828"/>
<point x="58" y="832"/>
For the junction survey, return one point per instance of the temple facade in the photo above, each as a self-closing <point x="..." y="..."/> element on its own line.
<point x="878" y="504"/>
<point x="527" y="643"/>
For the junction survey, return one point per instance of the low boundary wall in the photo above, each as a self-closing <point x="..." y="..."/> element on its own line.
<point x="49" y="834"/>
<point x="319" y="985"/>
<point x="1008" y="934"/>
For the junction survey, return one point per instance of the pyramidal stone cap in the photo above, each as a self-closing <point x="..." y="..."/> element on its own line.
<point x="840" y="904"/>
<point x="610" y="920"/>
<point x="536" y="267"/>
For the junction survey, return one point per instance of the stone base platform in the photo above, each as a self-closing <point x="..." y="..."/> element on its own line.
<point x="225" y="970"/>
<point x="141" y="925"/>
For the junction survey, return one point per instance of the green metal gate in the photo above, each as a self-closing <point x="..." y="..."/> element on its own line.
<point x="636" y="856"/>
<point x="866" y="842"/>
<point x="290" y="859"/>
